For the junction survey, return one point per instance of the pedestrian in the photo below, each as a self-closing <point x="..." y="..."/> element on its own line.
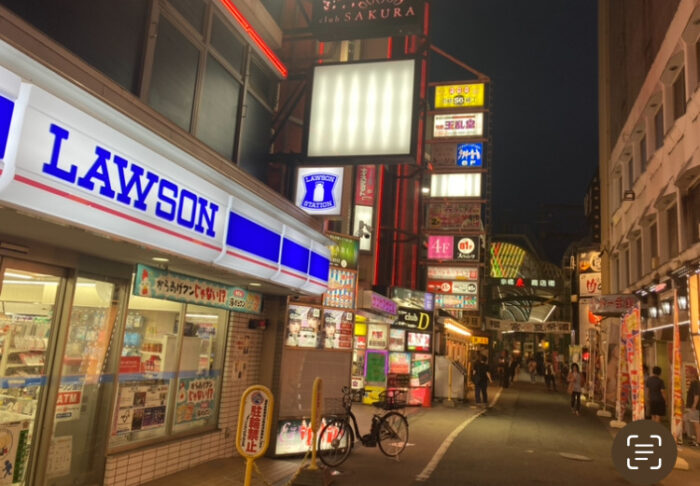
<point x="575" y="381"/>
<point x="657" y="394"/>
<point x="532" y="369"/>
<point x="481" y="378"/>
<point x="549" y="377"/>
<point x="503" y="368"/>
<point x="692" y="406"/>
<point x="514" y="367"/>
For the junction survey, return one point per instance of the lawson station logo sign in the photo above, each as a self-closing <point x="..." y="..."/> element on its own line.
<point x="319" y="190"/>
<point x="60" y="161"/>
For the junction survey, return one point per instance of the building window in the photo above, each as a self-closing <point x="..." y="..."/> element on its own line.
<point x="630" y="173"/>
<point x="654" y="245"/>
<point x="659" y="128"/>
<point x="672" y="227"/>
<point x="162" y="359"/>
<point x="691" y="206"/>
<point x="643" y="153"/>
<point x="679" y="100"/>
<point x="628" y="269"/>
<point x="618" y="274"/>
<point x="620" y="190"/>
<point x="638" y="270"/>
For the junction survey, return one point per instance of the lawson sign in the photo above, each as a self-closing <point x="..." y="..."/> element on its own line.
<point x="60" y="161"/>
<point x="319" y="190"/>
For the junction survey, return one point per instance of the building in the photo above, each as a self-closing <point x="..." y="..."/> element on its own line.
<point x="650" y="162"/>
<point x="141" y="253"/>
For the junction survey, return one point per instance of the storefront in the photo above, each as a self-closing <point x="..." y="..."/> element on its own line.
<point x="452" y="366"/>
<point x="105" y="352"/>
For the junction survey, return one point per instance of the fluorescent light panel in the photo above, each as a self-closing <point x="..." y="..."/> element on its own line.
<point x="455" y="185"/>
<point x="360" y="109"/>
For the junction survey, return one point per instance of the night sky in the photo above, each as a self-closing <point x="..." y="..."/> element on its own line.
<point x="541" y="56"/>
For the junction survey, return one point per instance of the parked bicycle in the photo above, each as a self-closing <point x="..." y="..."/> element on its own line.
<point x="389" y="430"/>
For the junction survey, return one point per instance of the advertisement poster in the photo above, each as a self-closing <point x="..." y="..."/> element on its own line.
<point x="454" y="273"/>
<point x="677" y="391"/>
<point x="397" y="340"/>
<point x="459" y="95"/>
<point x="365" y="185"/>
<point x="11" y="453"/>
<point x="376" y="364"/>
<point x="452" y="287"/>
<point x="294" y="436"/>
<point x="68" y="402"/>
<point x="345" y="252"/>
<point x="341" y="289"/>
<point x="453" y="216"/>
<point x="376" y="336"/>
<point x="470" y="154"/>
<point x="337" y="329"/>
<point x="161" y="284"/>
<point x="141" y="405"/>
<point x="413" y="298"/>
<point x="303" y="326"/>
<point x="418" y="341"/>
<point x="456" y="301"/>
<point x="421" y="369"/>
<point x="400" y="363"/>
<point x="458" y="125"/>
<point x="195" y="399"/>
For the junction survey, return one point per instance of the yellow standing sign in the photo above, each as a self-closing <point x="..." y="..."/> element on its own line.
<point x="254" y="422"/>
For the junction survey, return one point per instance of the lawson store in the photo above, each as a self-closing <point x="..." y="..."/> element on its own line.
<point x="135" y="282"/>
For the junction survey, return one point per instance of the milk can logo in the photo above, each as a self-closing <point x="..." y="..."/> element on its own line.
<point x="319" y="192"/>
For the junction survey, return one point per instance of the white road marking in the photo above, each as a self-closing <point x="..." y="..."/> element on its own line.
<point x="437" y="457"/>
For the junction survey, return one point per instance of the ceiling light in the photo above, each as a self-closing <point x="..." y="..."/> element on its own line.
<point x="425" y="190"/>
<point x="160" y="259"/>
<point x="18" y="275"/>
<point x="202" y="316"/>
<point x="255" y="284"/>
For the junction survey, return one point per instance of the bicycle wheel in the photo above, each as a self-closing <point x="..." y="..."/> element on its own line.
<point x="335" y="442"/>
<point x="393" y="434"/>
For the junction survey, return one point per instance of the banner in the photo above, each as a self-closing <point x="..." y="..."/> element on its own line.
<point x="634" y="362"/>
<point x="623" y="379"/>
<point x="554" y="327"/>
<point x="677" y="391"/>
<point x="161" y="284"/>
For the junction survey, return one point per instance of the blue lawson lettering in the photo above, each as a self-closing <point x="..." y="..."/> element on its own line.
<point x="177" y="204"/>
<point x="319" y="191"/>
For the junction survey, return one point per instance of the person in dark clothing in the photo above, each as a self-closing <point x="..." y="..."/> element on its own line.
<point x="481" y="378"/>
<point x="503" y="369"/>
<point x="692" y="406"/>
<point x="657" y="395"/>
<point x="549" y="378"/>
<point x="514" y="367"/>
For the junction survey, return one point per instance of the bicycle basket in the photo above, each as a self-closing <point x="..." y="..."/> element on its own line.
<point x="392" y="399"/>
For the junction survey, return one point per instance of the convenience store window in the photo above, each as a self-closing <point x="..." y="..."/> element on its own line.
<point x="170" y="370"/>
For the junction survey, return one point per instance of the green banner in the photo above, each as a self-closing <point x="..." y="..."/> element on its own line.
<point x="160" y="284"/>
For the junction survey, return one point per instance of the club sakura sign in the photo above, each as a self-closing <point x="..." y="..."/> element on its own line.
<point x="65" y="163"/>
<point x="356" y="19"/>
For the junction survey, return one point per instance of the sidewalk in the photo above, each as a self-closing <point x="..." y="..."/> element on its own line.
<point x="428" y="428"/>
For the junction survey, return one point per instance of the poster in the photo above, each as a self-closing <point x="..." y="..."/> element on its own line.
<point x="376" y="336"/>
<point x="294" y="436"/>
<point x="337" y="329"/>
<point x="397" y="340"/>
<point x="623" y="378"/>
<point x="195" y="399"/>
<point x="68" y="402"/>
<point x="341" y="289"/>
<point x="634" y="363"/>
<point x="418" y="341"/>
<point x="376" y="367"/>
<point x="12" y="450"/>
<point x="303" y="326"/>
<point x="421" y="370"/>
<point x="141" y="405"/>
<point x="60" y="454"/>
<point x="345" y="252"/>
<point x="400" y="363"/>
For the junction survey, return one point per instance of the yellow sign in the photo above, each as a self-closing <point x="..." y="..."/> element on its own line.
<point x="480" y="340"/>
<point x="459" y="95"/>
<point x="254" y="420"/>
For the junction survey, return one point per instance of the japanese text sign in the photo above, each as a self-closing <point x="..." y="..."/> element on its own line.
<point x="254" y="420"/>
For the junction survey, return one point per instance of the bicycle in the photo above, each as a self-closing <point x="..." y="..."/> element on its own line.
<point x="389" y="430"/>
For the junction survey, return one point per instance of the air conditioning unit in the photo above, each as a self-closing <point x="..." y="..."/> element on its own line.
<point x="654" y="262"/>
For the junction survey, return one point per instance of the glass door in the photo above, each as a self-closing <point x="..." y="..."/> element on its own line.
<point x="29" y="306"/>
<point x="81" y="416"/>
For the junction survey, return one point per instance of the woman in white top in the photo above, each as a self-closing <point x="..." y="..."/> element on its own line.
<point x="575" y="380"/>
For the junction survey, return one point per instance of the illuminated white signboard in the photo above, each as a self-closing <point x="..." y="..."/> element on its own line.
<point x="459" y="125"/>
<point x="362" y="226"/>
<point x="455" y="185"/>
<point x="361" y="109"/>
<point x="453" y="273"/>
<point x="320" y="190"/>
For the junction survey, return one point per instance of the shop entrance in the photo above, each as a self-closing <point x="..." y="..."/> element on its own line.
<point x="56" y="377"/>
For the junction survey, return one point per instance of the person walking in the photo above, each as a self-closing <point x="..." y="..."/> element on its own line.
<point x="532" y="369"/>
<point x="575" y="380"/>
<point x="657" y="394"/>
<point x="503" y="368"/>
<point x="549" y="377"/>
<point x="692" y="406"/>
<point x="481" y="378"/>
